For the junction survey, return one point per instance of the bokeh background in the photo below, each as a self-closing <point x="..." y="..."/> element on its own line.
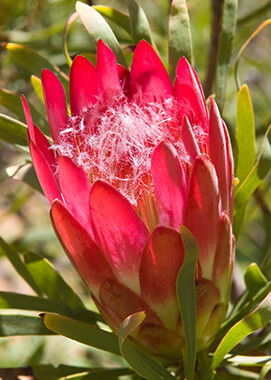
<point x="24" y="213"/>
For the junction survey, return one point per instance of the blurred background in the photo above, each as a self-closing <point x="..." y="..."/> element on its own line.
<point x="24" y="213"/>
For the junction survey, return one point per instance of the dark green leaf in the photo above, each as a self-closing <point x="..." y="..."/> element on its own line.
<point x="140" y="28"/>
<point x="82" y="332"/>
<point x="13" y="131"/>
<point x="34" y="62"/>
<point x="225" y="49"/>
<point x="15" y="259"/>
<point x="186" y="292"/>
<point x="10" y="300"/>
<point x="98" y="28"/>
<point x="179" y="38"/>
<point x="11" y="325"/>
<point x="56" y="289"/>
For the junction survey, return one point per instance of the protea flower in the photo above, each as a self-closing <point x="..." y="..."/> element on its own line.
<point x="137" y="158"/>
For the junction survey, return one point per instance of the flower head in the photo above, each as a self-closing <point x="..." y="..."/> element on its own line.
<point x="137" y="158"/>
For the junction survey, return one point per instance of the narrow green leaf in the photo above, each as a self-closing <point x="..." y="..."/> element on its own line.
<point x="179" y="37"/>
<point x="10" y="300"/>
<point x="246" y="360"/>
<point x="11" y="325"/>
<point x="140" y="28"/>
<point x="25" y="173"/>
<point x="15" y="259"/>
<point x="36" y="83"/>
<point x="186" y="292"/>
<point x="244" y="310"/>
<point x="114" y="15"/>
<point x="254" y="321"/>
<point x="99" y="374"/>
<point x="254" y="279"/>
<point x="13" y="102"/>
<point x="12" y="131"/>
<point x="244" y="135"/>
<point x="238" y="220"/>
<point x="265" y="370"/>
<point x="225" y="49"/>
<point x="98" y="28"/>
<point x="82" y="332"/>
<point x="256" y="175"/>
<point x="56" y="289"/>
<point x="143" y="364"/>
<point x="34" y="62"/>
<point x="61" y="372"/>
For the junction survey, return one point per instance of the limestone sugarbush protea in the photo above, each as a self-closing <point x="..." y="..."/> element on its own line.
<point x="137" y="158"/>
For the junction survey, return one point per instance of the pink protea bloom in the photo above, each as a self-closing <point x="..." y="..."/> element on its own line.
<point x="137" y="158"/>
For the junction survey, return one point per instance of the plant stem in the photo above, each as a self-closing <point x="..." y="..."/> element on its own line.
<point x="217" y="9"/>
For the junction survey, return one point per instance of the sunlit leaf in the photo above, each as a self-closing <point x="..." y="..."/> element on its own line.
<point x="56" y="289"/>
<point x="36" y="83"/>
<point x="98" y="28"/>
<point x="12" y="131"/>
<point x="225" y="49"/>
<point x="114" y="15"/>
<point x="244" y="135"/>
<point x="140" y="28"/>
<point x="254" y="321"/>
<point x="179" y="37"/>
<point x="11" y="325"/>
<point x="143" y="364"/>
<point x="186" y="292"/>
<point x="82" y="332"/>
<point x="254" y="279"/>
<point x="247" y="360"/>
<point x="15" y="259"/>
<point x="256" y="175"/>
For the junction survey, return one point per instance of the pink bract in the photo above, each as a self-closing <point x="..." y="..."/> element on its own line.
<point x="137" y="158"/>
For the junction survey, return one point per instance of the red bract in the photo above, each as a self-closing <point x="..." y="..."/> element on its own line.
<point x="137" y="158"/>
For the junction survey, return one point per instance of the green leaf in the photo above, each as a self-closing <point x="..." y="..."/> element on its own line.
<point x="140" y="28"/>
<point x="254" y="321"/>
<point x="179" y="37"/>
<point x="256" y="175"/>
<point x="265" y="370"/>
<point x="254" y="279"/>
<point x="13" y="102"/>
<point x="12" y="131"/>
<point x="15" y="259"/>
<point x="82" y="332"/>
<point x="244" y="135"/>
<point x="114" y="15"/>
<point x="11" y="325"/>
<point x="10" y="300"/>
<point x="186" y="292"/>
<point x="36" y="83"/>
<point x="34" y="62"/>
<point x="56" y="289"/>
<point x="47" y="371"/>
<point x="25" y="173"/>
<point x="98" y="28"/>
<point x="225" y="49"/>
<point x="143" y="364"/>
<point x="245" y="309"/>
